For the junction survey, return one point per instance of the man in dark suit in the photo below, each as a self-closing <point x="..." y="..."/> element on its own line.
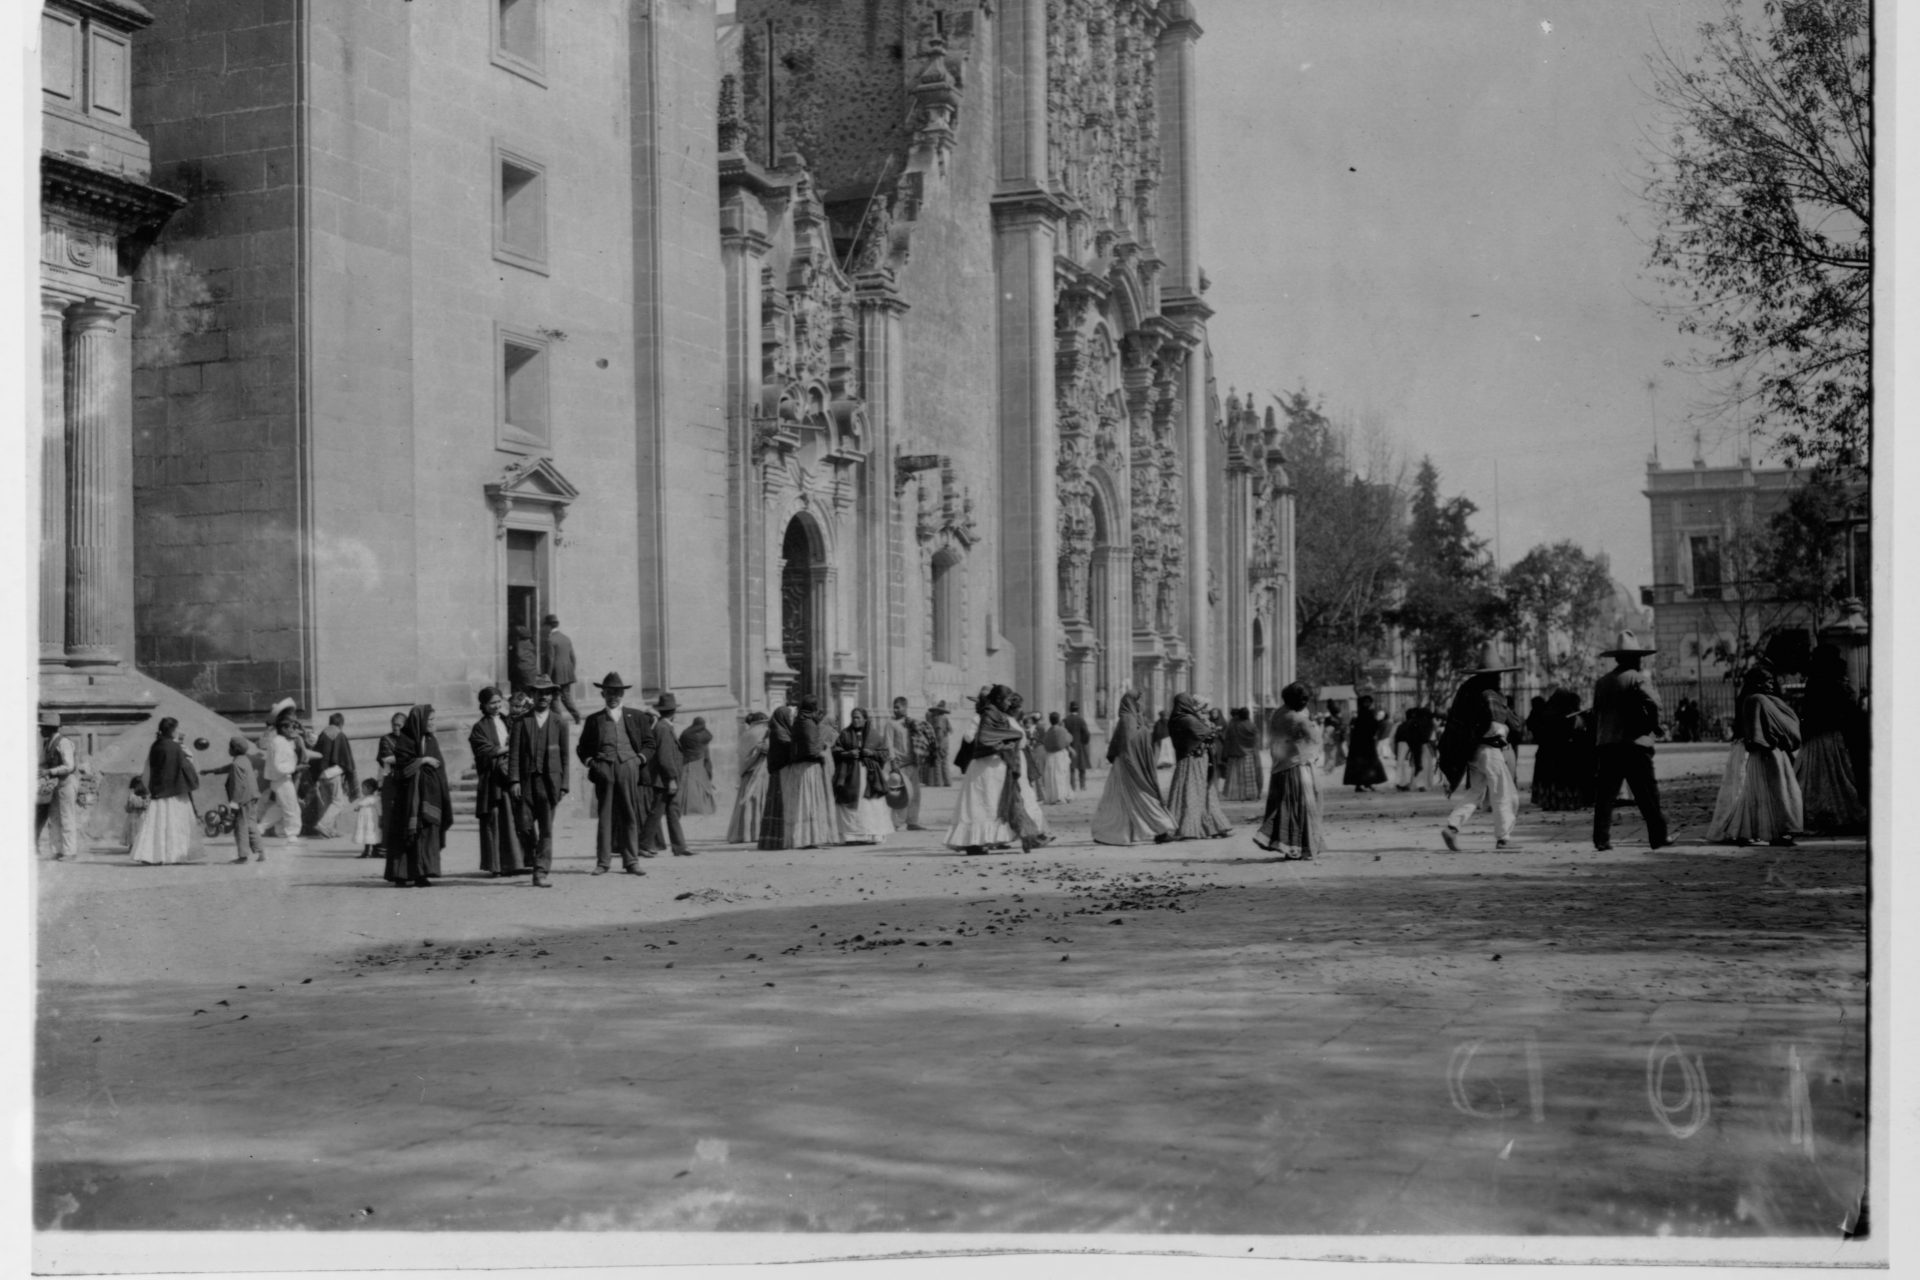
<point x="558" y="647"/>
<point x="665" y="775"/>
<point x="541" y="768"/>
<point x="616" y="745"/>
<point x="1076" y="725"/>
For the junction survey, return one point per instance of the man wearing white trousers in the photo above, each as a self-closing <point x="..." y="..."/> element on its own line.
<point x="1474" y="756"/>
<point x="287" y="751"/>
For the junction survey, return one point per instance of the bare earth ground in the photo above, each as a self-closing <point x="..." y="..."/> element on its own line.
<point x="1188" y="1038"/>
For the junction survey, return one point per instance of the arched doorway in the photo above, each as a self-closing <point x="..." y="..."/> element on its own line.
<point x="803" y="566"/>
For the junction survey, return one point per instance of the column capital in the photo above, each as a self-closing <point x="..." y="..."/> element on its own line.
<point x="54" y="302"/>
<point x="99" y="314"/>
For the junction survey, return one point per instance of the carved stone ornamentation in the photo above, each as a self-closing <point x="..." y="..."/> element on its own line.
<point x="1103" y="144"/>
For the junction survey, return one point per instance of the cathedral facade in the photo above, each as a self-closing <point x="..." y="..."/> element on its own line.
<point x="854" y="348"/>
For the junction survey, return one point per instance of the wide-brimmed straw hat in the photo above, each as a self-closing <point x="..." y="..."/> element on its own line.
<point x="1629" y="647"/>
<point x="49" y="719"/>
<point x="1490" y="665"/>
<point x="281" y="708"/>
<point x="612" y="684"/>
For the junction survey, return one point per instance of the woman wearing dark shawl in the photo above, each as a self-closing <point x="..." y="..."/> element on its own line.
<point x="1036" y="763"/>
<point x="1130" y="810"/>
<point x="992" y="809"/>
<point x="1057" y="742"/>
<point x="1413" y="748"/>
<point x="773" y="821"/>
<point x="935" y="767"/>
<point x="1292" y="826"/>
<point x="1562" y="772"/>
<point x="491" y="742"/>
<point x="1191" y="801"/>
<point x="1835" y="730"/>
<point x="168" y="833"/>
<point x="1240" y="756"/>
<point x="696" y="768"/>
<point x="751" y="797"/>
<point x="415" y="802"/>
<point x="860" y="758"/>
<point x="804" y="797"/>
<point x="1760" y="792"/>
<point x="1364" y="770"/>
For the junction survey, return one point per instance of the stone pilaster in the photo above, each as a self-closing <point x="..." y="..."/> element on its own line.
<point x="99" y="484"/>
<point x="53" y="478"/>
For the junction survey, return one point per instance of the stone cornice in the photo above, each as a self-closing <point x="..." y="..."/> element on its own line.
<point x="1186" y="308"/>
<point x="737" y="171"/>
<point x="134" y="206"/>
<point x="1030" y="203"/>
<point x="122" y="15"/>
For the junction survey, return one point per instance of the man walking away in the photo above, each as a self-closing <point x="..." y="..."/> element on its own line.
<point x="540" y="763"/>
<point x="560" y="665"/>
<point x="1626" y="713"/>
<point x="1082" y="742"/>
<point x="615" y="745"/>
<point x="665" y="776"/>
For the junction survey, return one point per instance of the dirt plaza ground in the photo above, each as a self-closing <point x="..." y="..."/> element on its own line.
<point x="1190" y="1038"/>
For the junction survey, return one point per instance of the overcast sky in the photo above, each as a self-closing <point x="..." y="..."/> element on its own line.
<point x="1415" y="207"/>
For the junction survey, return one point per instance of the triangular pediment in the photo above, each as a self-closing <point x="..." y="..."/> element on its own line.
<point x="536" y="479"/>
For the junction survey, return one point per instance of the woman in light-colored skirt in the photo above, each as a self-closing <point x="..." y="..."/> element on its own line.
<point x="805" y="801"/>
<point x="859" y="780"/>
<point x="751" y="752"/>
<point x="1292" y="826"/>
<point x="168" y="833"/>
<point x="987" y="813"/>
<point x="1058" y="744"/>
<point x="1191" y="799"/>
<point x="1759" y="792"/>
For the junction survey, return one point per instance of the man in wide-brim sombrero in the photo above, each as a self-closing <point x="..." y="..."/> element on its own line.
<point x="1473" y="753"/>
<point x="1626" y="715"/>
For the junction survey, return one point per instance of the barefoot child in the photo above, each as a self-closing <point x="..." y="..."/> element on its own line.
<point x="366" y="818"/>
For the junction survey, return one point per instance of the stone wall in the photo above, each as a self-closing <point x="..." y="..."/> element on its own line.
<point x="216" y="477"/>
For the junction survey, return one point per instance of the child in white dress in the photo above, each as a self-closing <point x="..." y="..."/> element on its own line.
<point x="366" y="818"/>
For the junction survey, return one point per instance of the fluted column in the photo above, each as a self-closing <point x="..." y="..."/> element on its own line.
<point x="99" y="482"/>
<point x="53" y="478"/>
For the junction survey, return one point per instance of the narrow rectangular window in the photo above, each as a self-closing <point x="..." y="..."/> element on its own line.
<point x="1706" y="566"/>
<point x="522" y="391"/>
<point x="520" y="211"/>
<point x="519" y="38"/>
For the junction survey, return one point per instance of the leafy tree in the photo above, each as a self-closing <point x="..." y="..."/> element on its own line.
<point x="1348" y="542"/>
<point x="1558" y="594"/>
<point x="1451" y="606"/>
<point x="1763" y="194"/>
<point x="1804" y="554"/>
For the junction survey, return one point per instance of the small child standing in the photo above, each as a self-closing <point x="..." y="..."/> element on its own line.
<point x="137" y="802"/>
<point x="243" y="793"/>
<point x="366" y="818"/>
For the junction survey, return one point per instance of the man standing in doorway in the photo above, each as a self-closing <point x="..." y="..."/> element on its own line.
<point x="665" y="776"/>
<point x="540" y="764"/>
<point x="616" y="745"/>
<point x="1626" y="713"/>
<point x="900" y="757"/>
<point x="1076" y="725"/>
<point x="559" y="650"/>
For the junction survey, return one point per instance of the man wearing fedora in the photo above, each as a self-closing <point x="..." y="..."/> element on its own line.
<point x="1626" y="714"/>
<point x="665" y="779"/>
<point x="1481" y="726"/>
<point x="616" y="745"/>
<point x="558" y="647"/>
<point x="541" y="767"/>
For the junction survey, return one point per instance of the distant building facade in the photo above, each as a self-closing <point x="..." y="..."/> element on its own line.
<point x="839" y="348"/>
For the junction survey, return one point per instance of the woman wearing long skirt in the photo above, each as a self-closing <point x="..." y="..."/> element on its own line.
<point x="805" y="800"/>
<point x="860" y="758"/>
<point x="416" y="804"/>
<point x="1759" y="792"/>
<point x="773" y="816"/>
<point x="1033" y="824"/>
<point x="751" y="752"/>
<point x="1562" y="770"/>
<point x="1057" y="741"/>
<point x="696" y="768"/>
<point x="1240" y="757"/>
<point x="1130" y="809"/>
<point x="1292" y="826"/>
<point x="1831" y="721"/>
<point x="168" y="832"/>
<point x="1413" y="749"/>
<point x="991" y="809"/>
<point x="491" y="742"/>
<point x="1163" y="754"/>
<point x="1195" y="809"/>
<point x="1033" y="765"/>
<point x="1364" y="771"/>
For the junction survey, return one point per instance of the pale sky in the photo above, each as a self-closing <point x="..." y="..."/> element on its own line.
<point x="1414" y="206"/>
